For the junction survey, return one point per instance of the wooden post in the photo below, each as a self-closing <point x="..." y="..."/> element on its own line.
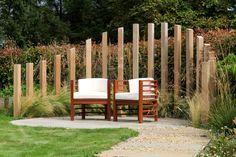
<point x="200" y="46"/>
<point x="104" y="54"/>
<point x="212" y="85"/>
<point x="164" y="60"/>
<point x="88" y="58"/>
<point x="151" y="49"/>
<point x="71" y="60"/>
<point x="206" y="52"/>
<point x="135" y="50"/>
<point x="17" y="90"/>
<point x="57" y="74"/>
<point x="177" y="60"/>
<point x="29" y="79"/>
<point x="205" y="91"/>
<point x="189" y="62"/>
<point x="120" y="53"/>
<point x="43" y="77"/>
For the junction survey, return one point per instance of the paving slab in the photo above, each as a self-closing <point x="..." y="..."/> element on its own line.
<point x="165" y="138"/>
<point x="93" y="122"/>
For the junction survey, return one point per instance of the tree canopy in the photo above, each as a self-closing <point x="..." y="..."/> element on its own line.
<point x="32" y="22"/>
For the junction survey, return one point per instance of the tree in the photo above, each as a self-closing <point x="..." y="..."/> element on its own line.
<point x="31" y="22"/>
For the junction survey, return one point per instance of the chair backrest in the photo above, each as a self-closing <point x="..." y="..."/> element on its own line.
<point x="92" y="85"/>
<point x="134" y="84"/>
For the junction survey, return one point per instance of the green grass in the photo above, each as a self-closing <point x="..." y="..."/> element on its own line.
<point x="17" y="141"/>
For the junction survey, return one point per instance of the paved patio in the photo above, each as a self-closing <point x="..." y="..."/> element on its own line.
<point x="166" y="138"/>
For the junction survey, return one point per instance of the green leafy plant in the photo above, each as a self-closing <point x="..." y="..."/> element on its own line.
<point x="221" y="145"/>
<point x="228" y="69"/>
<point x="223" y="110"/>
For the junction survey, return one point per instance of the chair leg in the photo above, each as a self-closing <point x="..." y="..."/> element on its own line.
<point x="140" y="112"/>
<point x="72" y="111"/>
<point x="108" y="112"/>
<point x="105" y="112"/>
<point x="156" y="112"/>
<point x="114" y="111"/>
<point x="83" y="111"/>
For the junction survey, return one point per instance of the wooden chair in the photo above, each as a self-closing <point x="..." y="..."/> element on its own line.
<point x="90" y="91"/>
<point x="141" y="92"/>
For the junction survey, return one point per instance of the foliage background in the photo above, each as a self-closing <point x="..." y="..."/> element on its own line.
<point x="33" y="22"/>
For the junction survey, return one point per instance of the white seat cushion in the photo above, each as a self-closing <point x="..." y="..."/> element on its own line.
<point x="92" y="85"/>
<point x="127" y="96"/>
<point x="90" y="95"/>
<point x="131" y="96"/>
<point x="134" y="84"/>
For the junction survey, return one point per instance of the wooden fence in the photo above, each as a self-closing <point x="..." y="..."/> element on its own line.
<point x="203" y="65"/>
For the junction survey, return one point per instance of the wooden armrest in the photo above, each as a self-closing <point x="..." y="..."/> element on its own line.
<point x="148" y="93"/>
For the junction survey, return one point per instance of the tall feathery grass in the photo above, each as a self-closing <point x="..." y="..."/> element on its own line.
<point x="47" y="106"/>
<point x="195" y="104"/>
<point x="223" y="111"/>
<point x="223" y="105"/>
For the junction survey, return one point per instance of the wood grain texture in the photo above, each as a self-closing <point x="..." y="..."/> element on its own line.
<point x="43" y="77"/>
<point x="120" y="53"/>
<point x="104" y="54"/>
<point x="29" y="79"/>
<point x="151" y="49"/>
<point x="206" y="52"/>
<point x="135" y="50"/>
<point x="199" y="60"/>
<point x="164" y="61"/>
<point x="177" y="61"/>
<point x="189" y="62"/>
<point x="17" y="90"/>
<point x="57" y="74"/>
<point x="205" y="91"/>
<point x="88" y="58"/>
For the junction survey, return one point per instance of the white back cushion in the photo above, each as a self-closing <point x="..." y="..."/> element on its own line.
<point x="92" y="85"/>
<point x="134" y="84"/>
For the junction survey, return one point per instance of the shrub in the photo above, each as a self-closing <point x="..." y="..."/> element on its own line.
<point x="222" y="113"/>
<point x="228" y="69"/>
<point x="173" y="108"/>
<point x="223" y="110"/>
<point x="47" y="106"/>
<point x="223" y="144"/>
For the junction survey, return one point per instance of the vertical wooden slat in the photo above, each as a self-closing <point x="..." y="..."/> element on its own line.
<point x="164" y="60"/>
<point x="43" y="77"/>
<point x="120" y="53"/>
<point x="135" y="50"/>
<point x="200" y="46"/>
<point x="205" y="91"/>
<point x="88" y="58"/>
<point x="151" y="49"/>
<point x="17" y="90"/>
<point x="206" y="52"/>
<point x="211" y="55"/>
<point x="189" y="62"/>
<point x="212" y="85"/>
<point x="71" y="59"/>
<point x="104" y="54"/>
<point x="57" y="74"/>
<point x="29" y="79"/>
<point x="177" y="60"/>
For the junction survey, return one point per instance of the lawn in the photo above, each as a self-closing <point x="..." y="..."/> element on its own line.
<point x="17" y="141"/>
